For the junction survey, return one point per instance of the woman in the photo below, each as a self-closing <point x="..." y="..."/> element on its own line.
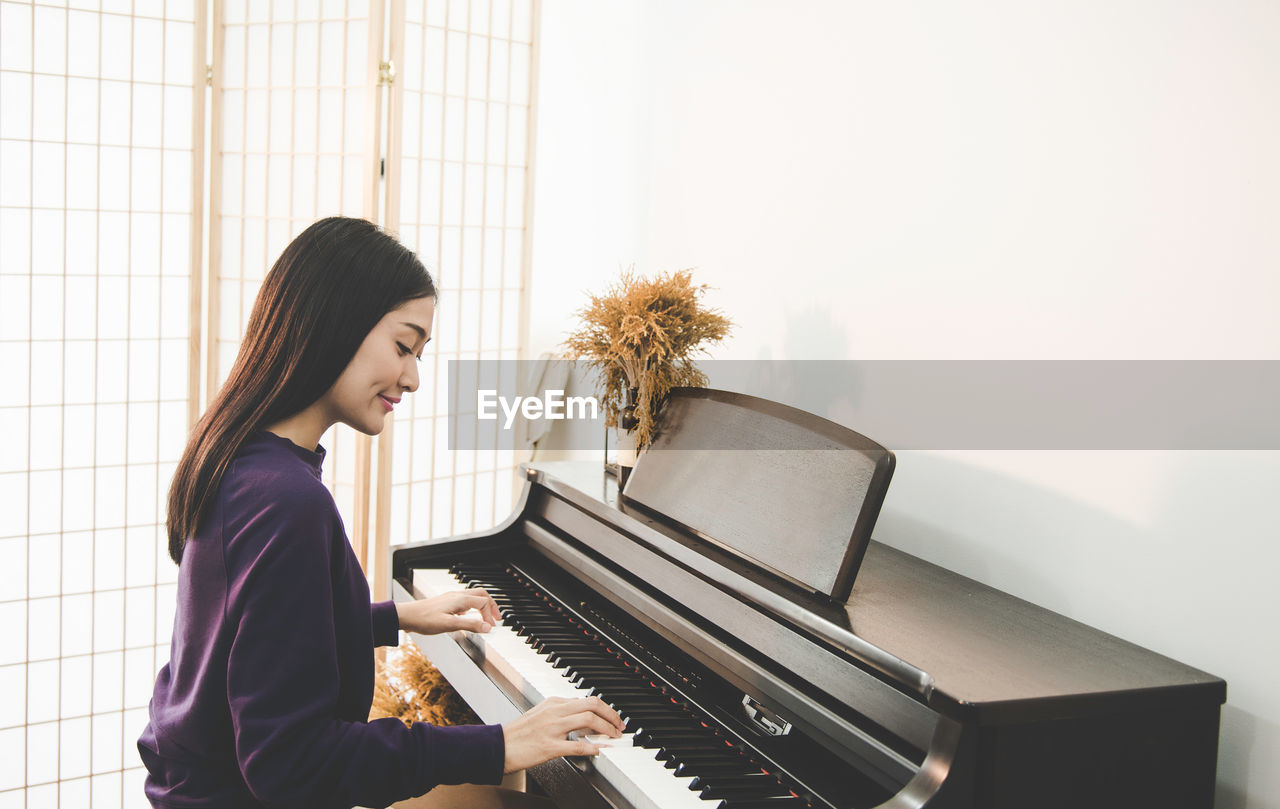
<point x="266" y="695"/>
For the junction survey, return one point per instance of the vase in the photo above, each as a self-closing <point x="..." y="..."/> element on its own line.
<point x="625" y="442"/>
<point x="627" y="423"/>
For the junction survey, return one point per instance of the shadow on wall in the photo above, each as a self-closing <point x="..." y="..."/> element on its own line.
<point x="1220" y="507"/>
<point x="1239" y="731"/>
<point x="814" y="334"/>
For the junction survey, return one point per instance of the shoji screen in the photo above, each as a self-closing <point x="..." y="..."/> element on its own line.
<point x="291" y="125"/>
<point x="99" y="191"/>
<point x="463" y="148"/>
<point x="102" y="188"/>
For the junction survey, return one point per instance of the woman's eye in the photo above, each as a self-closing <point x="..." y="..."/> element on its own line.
<point x="405" y="351"/>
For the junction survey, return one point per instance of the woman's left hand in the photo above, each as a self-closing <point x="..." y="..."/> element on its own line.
<point x="449" y="611"/>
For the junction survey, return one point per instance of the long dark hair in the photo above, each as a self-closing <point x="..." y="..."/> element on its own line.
<point x="328" y="289"/>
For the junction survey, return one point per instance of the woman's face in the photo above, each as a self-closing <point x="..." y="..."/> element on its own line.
<point x="384" y="368"/>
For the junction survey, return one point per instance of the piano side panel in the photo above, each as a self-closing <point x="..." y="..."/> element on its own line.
<point x="568" y="785"/>
<point x="1152" y="758"/>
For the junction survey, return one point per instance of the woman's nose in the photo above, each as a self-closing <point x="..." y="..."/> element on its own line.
<point x="409" y="379"/>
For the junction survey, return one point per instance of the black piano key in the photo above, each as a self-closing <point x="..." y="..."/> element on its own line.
<point x="666" y="730"/>
<point x="637" y="699"/>
<point x="600" y="666"/>
<point x="660" y="707"/>
<point x="636" y="688"/>
<point x="606" y="680"/>
<point x="604" y="676"/>
<point x="774" y="789"/>
<point x="694" y="757"/>
<point x="547" y="644"/>
<point x="763" y="782"/>
<point x="668" y="735"/>
<point x="671" y="748"/>
<point x="780" y="802"/>
<point x="552" y="628"/>
<point x="659" y="723"/>
<point x="575" y="650"/>
<point x="658" y="719"/>
<point x="588" y="676"/>
<point x="705" y="773"/>
<point x="638" y="714"/>
<point x="674" y="738"/>
<point x="525" y="631"/>
<point x="578" y="652"/>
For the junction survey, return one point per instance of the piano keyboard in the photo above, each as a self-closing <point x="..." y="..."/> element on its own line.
<point x="671" y="755"/>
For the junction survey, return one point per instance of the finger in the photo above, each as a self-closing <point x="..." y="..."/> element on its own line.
<point x="588" y="721"/>
<point x="466" y="601"/>
<point x="603" y="708"/>
<point x="577" y="748"/>
<point x="592" y="704"/>
<point x="471" y="622"/>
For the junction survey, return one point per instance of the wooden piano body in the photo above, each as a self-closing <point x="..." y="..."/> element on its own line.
<point x="922" y="689"/>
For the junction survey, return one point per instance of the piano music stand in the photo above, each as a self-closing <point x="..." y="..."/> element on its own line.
<point x="765" y="474"/>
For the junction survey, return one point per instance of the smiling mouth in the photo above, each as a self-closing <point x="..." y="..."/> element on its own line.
<point x="389" y="404"/>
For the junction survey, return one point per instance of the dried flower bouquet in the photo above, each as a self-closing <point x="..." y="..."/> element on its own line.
<point x="641" y="335"/>
<point x="412" y="690"/>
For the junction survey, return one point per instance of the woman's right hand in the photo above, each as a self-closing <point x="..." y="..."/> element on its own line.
<point x="540" y="735"/>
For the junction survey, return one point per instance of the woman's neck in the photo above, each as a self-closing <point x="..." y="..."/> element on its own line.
<point x="303" y="428"/>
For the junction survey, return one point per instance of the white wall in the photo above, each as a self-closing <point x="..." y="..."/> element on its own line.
<point x="1083" y="180"/>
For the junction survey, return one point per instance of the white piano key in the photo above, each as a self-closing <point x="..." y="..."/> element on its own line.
<point x="634" y="771"/>
<point x="643" y="780"/>
<point x="601" y="740"/>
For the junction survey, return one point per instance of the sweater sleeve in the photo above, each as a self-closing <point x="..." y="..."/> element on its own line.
<point x="386" y="624"/>
<point x="282" y="684"/>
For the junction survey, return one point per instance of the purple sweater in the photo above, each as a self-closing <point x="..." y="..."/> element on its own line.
<point x="265" y="699"/>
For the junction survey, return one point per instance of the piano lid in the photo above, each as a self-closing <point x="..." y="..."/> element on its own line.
<point x="790" y="492"/>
